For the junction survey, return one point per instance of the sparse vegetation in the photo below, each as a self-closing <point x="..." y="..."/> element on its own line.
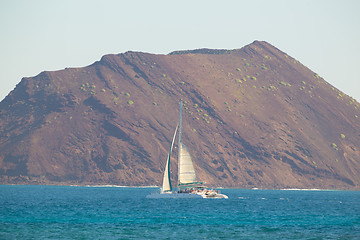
<point x="130" y="102"/>
<point x="334" y="146"/>
<point x="271" y="88"/>
<point x="86" y="86"/>
<point x="205" y="119"/>
<point x="285" y="84"/>
<point x="342" y="136"/>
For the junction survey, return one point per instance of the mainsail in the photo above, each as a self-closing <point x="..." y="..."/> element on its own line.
<point x="166" y="187"/>
<point x="186" y="168"/>
<point x="186" y="171"/>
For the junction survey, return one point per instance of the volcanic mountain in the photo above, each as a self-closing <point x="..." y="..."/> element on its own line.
<point x="252" y="117"/>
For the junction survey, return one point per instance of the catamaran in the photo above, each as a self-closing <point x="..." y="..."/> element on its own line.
<point x="188" y="186"/>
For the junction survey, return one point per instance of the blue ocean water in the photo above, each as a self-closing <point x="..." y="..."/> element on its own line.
<point x="64" y="212"/>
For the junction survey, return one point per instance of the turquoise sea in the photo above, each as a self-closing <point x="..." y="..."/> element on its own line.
<point x="66" y="212"/>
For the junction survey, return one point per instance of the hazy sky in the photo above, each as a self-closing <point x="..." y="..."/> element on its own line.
<point x="41" y="35"/>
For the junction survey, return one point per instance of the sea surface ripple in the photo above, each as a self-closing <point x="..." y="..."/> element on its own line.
<point x="75" y="212"/>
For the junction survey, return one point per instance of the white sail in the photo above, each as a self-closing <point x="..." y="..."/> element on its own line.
<point x="186" y="168"/>
<point x="188" y="186"/>
<point x="166" y="187"/>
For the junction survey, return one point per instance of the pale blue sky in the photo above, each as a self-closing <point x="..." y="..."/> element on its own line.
<point x="43" y="35"/>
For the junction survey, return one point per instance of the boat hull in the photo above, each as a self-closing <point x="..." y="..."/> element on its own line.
<point x="186" y="195"/>
<point x="173" y="195"/>
<point x="218" y="195"/>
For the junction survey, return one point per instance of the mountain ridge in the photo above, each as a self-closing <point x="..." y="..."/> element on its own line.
<point x="253" y="117"/>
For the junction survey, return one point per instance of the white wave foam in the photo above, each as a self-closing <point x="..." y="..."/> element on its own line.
<point x="305" y="189"/>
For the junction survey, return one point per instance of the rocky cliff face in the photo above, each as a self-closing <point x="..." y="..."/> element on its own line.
<point x="252" y="117"/>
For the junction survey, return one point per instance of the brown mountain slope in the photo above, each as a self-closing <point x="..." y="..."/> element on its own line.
<point x="253" y="117"/>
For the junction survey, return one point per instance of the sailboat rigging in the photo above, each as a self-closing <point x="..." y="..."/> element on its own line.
<point x="188" y="185"/>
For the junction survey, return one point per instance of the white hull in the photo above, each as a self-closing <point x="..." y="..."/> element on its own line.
<point x="211" y="194"/>
<point x="217" y="195"/>
<point x="187" y="195"/>
<point x="173" y="195"/>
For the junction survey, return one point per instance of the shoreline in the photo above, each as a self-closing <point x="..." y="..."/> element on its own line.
<point x="154" y="186"/>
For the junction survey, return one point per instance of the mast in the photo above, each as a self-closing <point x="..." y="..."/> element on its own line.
<point x="180" y="123"/>
<point x="186" y="171"/>
<point x="179" y="144"/>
